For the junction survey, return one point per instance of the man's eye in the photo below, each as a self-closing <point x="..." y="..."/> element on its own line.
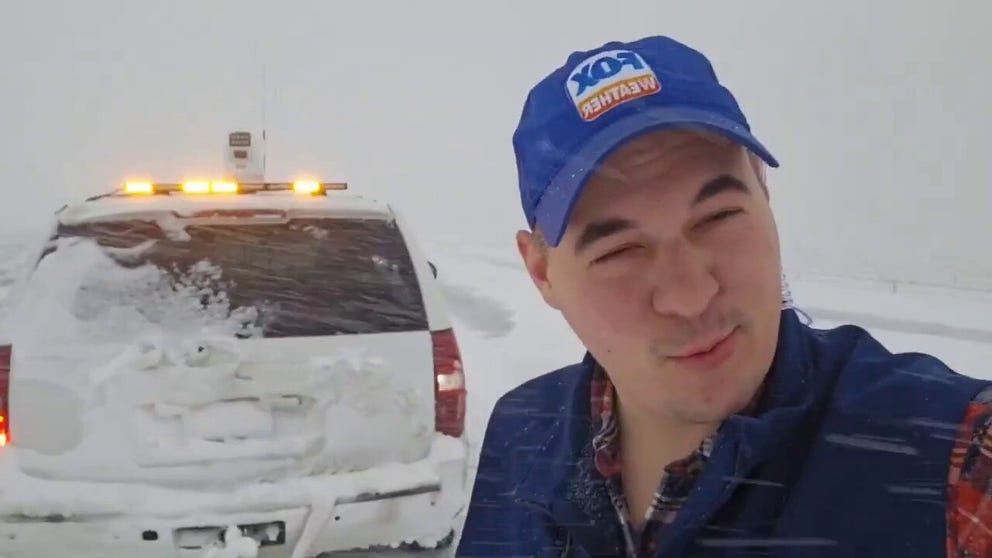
<point x="613" y="254"/>
<point x="721" y="216"/>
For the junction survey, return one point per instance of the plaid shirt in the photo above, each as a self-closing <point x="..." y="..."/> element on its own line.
<point x="969" y="513"/>
<point x="969" y="508"/>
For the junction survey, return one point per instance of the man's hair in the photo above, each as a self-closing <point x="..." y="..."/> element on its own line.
<point x="540" y="242"/>
<point x="760" y="169"/>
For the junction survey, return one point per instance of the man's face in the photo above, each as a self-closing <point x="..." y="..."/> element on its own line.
<point x="669" y="273"/>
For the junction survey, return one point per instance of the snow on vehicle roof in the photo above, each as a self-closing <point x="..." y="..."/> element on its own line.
<point x="135" y="206"/>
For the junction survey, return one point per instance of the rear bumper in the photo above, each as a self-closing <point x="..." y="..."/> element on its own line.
<point x="417" y="502"/>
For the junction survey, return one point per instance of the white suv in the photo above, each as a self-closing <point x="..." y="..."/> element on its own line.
<point x="229" y="370"/>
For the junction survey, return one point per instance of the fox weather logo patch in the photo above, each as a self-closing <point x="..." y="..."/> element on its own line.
<point x="609" y="79"/>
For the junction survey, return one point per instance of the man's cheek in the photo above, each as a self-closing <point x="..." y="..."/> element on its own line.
<point x="615" y="316"/>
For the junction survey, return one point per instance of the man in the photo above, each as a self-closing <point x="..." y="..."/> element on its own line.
<point x="705" y="419"/>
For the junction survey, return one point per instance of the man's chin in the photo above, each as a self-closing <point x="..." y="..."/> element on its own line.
<point x="709" y="412"/>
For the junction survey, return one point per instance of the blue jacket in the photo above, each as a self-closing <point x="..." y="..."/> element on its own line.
<point x="847" y="456"/>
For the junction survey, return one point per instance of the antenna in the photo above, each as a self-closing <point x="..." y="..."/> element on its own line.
<point x="263" y="119"/>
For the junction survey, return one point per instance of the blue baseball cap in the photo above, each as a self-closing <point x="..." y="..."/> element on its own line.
<point x="599" y="99"/>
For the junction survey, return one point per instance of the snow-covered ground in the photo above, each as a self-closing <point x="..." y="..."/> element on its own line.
<point x="507" y="335"/>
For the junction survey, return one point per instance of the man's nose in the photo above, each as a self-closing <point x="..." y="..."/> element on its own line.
<point x="684" y="285"/>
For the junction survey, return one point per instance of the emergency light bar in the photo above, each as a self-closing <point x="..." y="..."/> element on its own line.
<point x="138" y="188"/>
<point x="306" y="187"/>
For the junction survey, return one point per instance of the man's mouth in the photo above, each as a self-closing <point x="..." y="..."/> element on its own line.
<point x="708" y="352"/>
<point x="704" y="346"/>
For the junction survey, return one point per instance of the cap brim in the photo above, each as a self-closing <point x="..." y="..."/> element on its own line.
<point x="555" y="208"/>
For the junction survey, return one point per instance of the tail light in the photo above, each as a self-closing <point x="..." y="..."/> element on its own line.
<point x="4" y="392"/>
<point x="449" y="384"/>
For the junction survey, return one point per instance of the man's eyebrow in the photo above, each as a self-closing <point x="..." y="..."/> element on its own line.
<point x="599" y="229"/>
<point x="719" y="185"/>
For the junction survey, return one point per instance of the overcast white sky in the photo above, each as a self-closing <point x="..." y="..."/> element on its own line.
<point x="875" y="109"/>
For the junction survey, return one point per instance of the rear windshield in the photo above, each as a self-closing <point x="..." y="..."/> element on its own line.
<point x="307" y="277"/>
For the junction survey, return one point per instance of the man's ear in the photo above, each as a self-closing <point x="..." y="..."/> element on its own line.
<point x="535" y="252"/>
